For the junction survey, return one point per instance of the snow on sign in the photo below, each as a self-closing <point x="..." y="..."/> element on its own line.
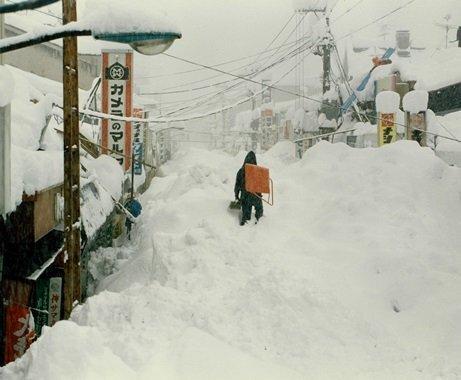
<point x="117" y="99"/>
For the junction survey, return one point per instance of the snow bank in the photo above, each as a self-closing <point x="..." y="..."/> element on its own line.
<point x="283" y="151"/>
<point x="416" y="101"/>
<point x="339" y="280"/>
<point x="387" y="102"/>
<point x="93" y="360"/>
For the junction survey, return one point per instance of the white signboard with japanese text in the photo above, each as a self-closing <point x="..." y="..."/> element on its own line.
<point x="117" y="99"/>
<point x="138" y="140"/>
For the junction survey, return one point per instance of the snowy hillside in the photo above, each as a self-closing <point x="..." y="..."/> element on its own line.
<point x="353" y="274"/>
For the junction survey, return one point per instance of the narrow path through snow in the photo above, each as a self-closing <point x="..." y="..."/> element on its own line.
<point x="354" y="274"/>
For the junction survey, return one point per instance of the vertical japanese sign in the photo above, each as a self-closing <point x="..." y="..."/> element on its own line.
<point x="117" y="100"/>
<point x="416" y="121"/>
<point x="19" y="331"/>
<point x="387" y="130"/>
<point x="138" y="141"/>
<point x="54" y="300"/>
<point x="41" y="304"/>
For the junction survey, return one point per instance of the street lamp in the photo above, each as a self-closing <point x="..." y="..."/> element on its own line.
<point x="147" y="43"/>
<point x="145" y="40"/>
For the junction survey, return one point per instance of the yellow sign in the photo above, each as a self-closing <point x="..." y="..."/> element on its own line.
<point x="387" y="130"/>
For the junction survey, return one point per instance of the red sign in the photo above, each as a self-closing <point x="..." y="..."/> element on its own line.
<point x="19" y="333"/>
<point x="117" y="100"/>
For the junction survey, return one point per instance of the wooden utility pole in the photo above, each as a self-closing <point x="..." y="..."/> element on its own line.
<point x="327" y="59"/>
<point x="72" y="290"/>
<point x="5" y="145"/>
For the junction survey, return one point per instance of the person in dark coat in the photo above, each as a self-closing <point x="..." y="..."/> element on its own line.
<point x="248" y="200"/>
<point x="135" y="208"/>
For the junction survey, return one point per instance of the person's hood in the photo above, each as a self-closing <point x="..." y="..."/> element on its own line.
<point x="250" y="158"/>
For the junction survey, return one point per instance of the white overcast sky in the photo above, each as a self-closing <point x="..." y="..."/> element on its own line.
<point x="220" y="30"/>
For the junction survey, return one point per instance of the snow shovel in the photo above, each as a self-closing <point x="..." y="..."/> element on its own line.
<point x="235" y="205"/>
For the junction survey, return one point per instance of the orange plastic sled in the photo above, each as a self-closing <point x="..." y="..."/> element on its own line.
<point x="257" y="180"/>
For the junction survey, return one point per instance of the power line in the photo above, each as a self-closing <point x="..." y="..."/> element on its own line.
<point x="297" y="51"/>
<point x="131" y="119"/>
<point x="277" y="36"/>
<point x="41" y="12"/>
<point x="213" y="95"/>
<point x="25" y="5"/>
<point x="347" y="11"/>
<point x="303" y="96"/>
<point x="204" y="86"/>
<point x="378" y="19"/>
<point x="247" y="65"/>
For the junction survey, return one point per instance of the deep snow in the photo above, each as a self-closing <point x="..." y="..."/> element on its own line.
<point x="355" y="273"/>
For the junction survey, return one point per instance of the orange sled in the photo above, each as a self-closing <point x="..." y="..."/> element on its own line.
<point x="257" y="180"/>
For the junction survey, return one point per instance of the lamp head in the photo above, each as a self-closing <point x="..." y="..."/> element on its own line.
<point x="144" y="43"/>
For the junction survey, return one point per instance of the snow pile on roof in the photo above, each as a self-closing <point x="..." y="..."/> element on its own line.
<point x="387" y="102"/>
<point x="340" y="279"/>
<point x="109" y="173"/>
<point x="450" y="126"/>
<point x="415" y="101"/>
<point x="439" y="71"/>
<point x="96" y="205"/>
<point x="32" y="170"/>
<point x="431" y="70"/>
<point x="117" y="16"/>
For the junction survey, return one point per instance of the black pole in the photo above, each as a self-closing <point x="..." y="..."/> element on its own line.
<point x="15" y="43"/>
<point x="24" y="5"/>
<point x="132" y="173"/>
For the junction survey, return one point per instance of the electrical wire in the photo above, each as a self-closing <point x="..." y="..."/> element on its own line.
<point x="296" y="51"/>
<point x="24" y="5"/>
<point x="377" y="19"/>
<point x="214" y="94"/>
<point x="41" y="12"/>
<point x="204" y="86"/>
<point x="347" y="11"/>
<point x="277" y="36"/>
<point x="218" y="64"/>
<point x="247" y="65"/>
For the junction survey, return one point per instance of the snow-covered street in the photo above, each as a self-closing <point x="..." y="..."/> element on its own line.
<point x="353" y="274"/>
<point x="138" y="137"/>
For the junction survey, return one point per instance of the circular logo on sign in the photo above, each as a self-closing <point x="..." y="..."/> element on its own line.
<point x="117" y="72"/>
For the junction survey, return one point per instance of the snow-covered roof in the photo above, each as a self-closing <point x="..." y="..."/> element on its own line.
<point x="37" y="149"/>
<point x="431" y="69"/>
